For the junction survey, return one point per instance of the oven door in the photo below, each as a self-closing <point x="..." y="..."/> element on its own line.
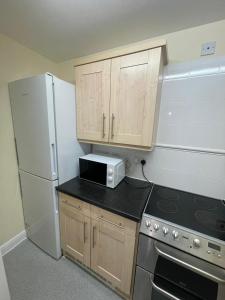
<point x="152" y="287"/>
<point x="174" y="274"/>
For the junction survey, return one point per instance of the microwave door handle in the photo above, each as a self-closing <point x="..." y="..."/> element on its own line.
<point x="187" y="265"/>
<point x="163" y="292"/>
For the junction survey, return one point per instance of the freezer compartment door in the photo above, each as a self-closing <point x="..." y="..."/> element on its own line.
<point x="40" y="205"/>
<point x="32" y="103"/>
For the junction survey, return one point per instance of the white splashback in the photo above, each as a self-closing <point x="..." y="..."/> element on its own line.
<point x="193" y="106"/>
<point x="190" y="148"/>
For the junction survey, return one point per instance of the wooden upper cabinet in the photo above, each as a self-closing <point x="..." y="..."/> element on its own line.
<point x="134" y="85"/>
<point x="92" y="98"/>
<point x="118" y="99"/>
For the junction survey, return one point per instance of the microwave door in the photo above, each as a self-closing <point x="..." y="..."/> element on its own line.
<point x="93" y="171"/>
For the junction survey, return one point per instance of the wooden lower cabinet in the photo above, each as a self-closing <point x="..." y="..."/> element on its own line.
<point x="102" y="241"/>
<point x="75" y="234"/>
<point x="112" y="254"/>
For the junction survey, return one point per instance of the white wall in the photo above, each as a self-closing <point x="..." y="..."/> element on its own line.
<point x="190" y="148"/>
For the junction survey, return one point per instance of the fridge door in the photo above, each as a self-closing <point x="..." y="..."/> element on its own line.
<point x="32" y="103"/>
<point x="40" y="206"/>
<point x="68" y="148"/>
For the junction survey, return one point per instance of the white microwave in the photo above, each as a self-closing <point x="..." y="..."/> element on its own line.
<point x="105" y="170"/>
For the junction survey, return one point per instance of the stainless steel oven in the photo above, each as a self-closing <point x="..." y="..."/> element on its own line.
<point x="164" y="273"/>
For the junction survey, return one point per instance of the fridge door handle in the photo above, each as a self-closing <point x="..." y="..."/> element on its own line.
<point x="54" y="163"/>
<point x="56" y="203"/>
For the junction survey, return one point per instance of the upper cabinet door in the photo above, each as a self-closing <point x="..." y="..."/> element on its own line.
<point x="134" y="84"/>
<point x="93" y="96"/>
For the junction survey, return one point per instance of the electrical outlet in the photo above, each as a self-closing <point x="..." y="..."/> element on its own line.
<point x="208" y="48"/>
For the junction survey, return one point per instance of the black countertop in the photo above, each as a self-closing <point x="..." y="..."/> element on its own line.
<point x="128" y="199"/>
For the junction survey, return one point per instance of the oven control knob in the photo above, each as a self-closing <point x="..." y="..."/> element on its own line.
<point x="110" y="171"/>
<point x="175" y="234"/>
<point x="156" y="227"/>
<point x="147" y="223"/>
<point x="110" y="178"/>
<point x="165" y="230"/>
<point x="196" y="243"/>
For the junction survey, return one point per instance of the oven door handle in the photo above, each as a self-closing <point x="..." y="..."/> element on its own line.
<point x="165" y="293"/>
<point x="187" y="265"/>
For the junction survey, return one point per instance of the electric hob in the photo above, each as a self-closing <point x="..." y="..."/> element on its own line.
<point x="190" y="222"/>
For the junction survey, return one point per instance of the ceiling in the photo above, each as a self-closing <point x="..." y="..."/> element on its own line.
<point x="64" y="29"/>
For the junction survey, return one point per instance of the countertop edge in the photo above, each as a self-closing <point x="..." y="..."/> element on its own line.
<point x="123" y="214"/>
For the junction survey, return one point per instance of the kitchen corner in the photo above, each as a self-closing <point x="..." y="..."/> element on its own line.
<point x="112" y="150"/>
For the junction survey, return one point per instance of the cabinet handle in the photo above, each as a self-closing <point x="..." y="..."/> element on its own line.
<point x="85" y="223"/>
<point x="120" y="225"/>
<point x="103" y="125"/>
<point x="93" y="236"/>
<point x="112" y="127"/>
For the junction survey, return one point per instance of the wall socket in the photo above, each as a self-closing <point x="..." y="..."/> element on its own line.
<point x="208" y="48"/>
<point x="137" y="160"/>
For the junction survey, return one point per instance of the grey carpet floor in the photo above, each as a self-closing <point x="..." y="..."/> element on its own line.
<point x="33" y="275"/>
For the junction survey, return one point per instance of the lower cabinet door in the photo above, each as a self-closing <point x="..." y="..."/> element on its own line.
<point x="112" y="254"/>
<point x="75" y="233"/>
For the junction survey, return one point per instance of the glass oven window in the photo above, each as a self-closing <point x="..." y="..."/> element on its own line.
<point x="93" y="171"/>
<point x="171" y="289"/>
<point x="190" y="282"/>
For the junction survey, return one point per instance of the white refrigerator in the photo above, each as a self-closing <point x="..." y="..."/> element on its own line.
<point x="43" y="111"/>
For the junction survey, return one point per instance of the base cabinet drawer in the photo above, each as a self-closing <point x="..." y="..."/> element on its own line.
<point x="75" y="204"/>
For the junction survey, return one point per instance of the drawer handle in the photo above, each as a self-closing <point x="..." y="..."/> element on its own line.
<point x="74" y="206"/>
<point x="115" y="224"/>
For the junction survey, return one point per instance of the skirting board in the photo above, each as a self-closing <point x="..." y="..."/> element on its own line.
<point x="13" y="242"/>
